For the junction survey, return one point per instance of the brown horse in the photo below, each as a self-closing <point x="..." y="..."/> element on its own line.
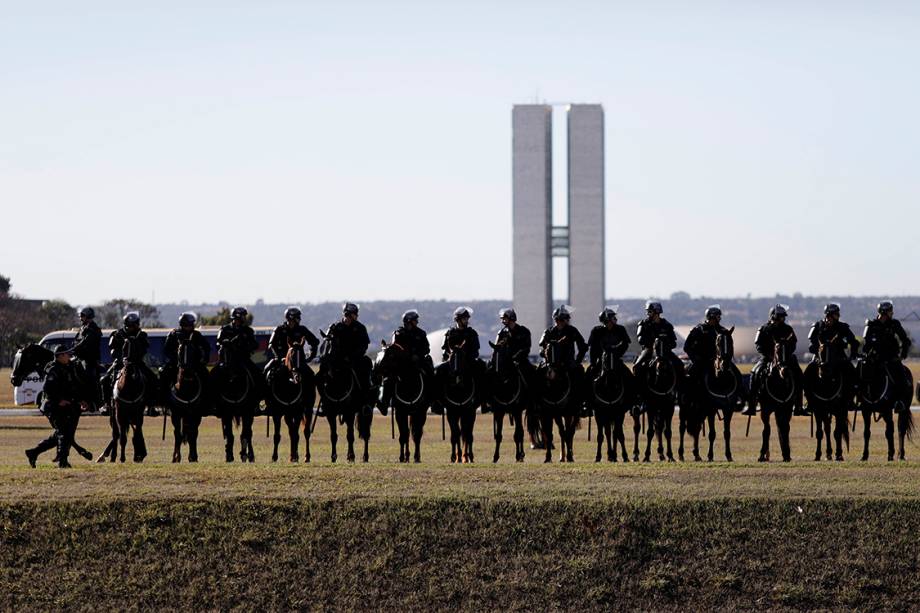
<point x="291" y="396"/>
<point x="130" y="396"/>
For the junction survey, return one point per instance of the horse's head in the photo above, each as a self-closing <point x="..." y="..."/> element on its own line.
<point x="295" y="360"/>
<point x="390" y="356"/>
<point x="502" y="357"/>
<point x="553" y="357"/>
<point x="725" y="349"/>
<point x="29" y="359"/>
<point x="329" y="350"/>
<point x="608" y="360"/>
<point x="456" y="359"/>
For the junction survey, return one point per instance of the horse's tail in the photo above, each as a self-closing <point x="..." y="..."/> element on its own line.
<point x="906" y="423"/>
<point x="533" y="426"/>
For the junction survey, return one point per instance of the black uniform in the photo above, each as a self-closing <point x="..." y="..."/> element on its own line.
<point x="139" y="346"/>
<point x="61" y="396"/>
<point x="519" y="343"/>
<point x="601" y="338"/>
<point x="457" y="337"/>
<point x="700" y="347"/>
<point x="571" y="350"/>
<point x="890" y="342"/>
<point x="647" y="334"/>
<point x="86" y="350"/>
<point x="415" y="342"/>
<point x="352" y="341"/>
<point x="284" y="336"/>
<point x="417" y="350"/>
<point x="174" y="339"/>
<point x="765" y="343"/>
<point x="241" y="342"/>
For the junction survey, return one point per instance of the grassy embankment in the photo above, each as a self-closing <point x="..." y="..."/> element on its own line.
<point x="742" y="535"/>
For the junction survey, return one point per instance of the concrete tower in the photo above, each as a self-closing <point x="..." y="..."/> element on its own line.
<point x="536" y="240"/>
<point x="532" y="189"/>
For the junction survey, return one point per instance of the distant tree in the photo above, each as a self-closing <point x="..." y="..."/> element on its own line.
<point x="58" y="314"/>
<point x="221" y="318"/>
<point x="111" y="312"/>
<point x="5" y="286"/>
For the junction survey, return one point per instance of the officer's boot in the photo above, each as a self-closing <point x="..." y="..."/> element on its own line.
<point x="751" y="409"/>
<point x="63" y="451"/>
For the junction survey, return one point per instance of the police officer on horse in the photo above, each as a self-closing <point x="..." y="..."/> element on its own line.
<point x="86" y="345"/>
<point x="775" y="331"/>
<point x="886" y="337"/>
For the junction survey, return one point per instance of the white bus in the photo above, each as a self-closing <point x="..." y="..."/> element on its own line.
<point x="29" y="391"/>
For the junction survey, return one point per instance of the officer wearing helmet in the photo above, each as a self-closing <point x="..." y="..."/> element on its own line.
<point x="776" y="330"/>
<point x="832" y="332"/>
<point x="517" y="339"/>
<point x="700" y="345"/>
<point x="414" y="342"/>
<point x="460" y="337"/>
<point x="239" y="338"/>
<point x="138" y="346"/>
<point x="569" y="342"/>
<point x="86" y="346"/>
<point x="62" y="399"/>
<point x="289" y="333"/>
<point x="887" y="340"/>
<point x="516" y="336"/>
<point x="185" y="334"/>
<point x="608" y="335"/>
<point x="650" y="329"/>
<point x="352" y="341"/>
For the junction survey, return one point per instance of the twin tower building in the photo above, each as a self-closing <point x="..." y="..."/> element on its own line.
<point x="536" y="239"/>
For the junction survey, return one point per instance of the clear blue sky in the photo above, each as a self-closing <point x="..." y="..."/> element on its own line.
<point x="304" y="151"/>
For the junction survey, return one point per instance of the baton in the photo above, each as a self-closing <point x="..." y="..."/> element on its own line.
<point x="164" y="423"/>
<point x="393" y="423"/>
<point x="747" y="430"/>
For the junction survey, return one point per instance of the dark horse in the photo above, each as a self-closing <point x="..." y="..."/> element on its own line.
<point x="557" y="401"/>
<point x="188" y="401"/>
<point x="460" y="396"/>
<point x="410" y="395"/>
<point x="777" y="397"/>
<point x="291" y="395"/>
<point x="829" y="395"/>
<point x="33" y="358"/>
<point x="610" y="394"/>
<point x="660" y="386"/>
<point x="237" y="395"/>
<point x="508" y="394"/>
<point x="878" y="393"/>
<point x="341" y="397"/>
<point x="720" y="392"/>
<point x="131" y="395"/>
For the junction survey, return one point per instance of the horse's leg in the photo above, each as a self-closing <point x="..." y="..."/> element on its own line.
<point x="246" y="450"/>
<point x="782" y="425"/>
<point x="293" y="423"/>
<point x="306" y="418"/>
<point x="765" y="435"/>
<point x="650" y="433"/>
<point x="276" y="439"/>
<point x="350" y="435"/>
<point x="620" y="437"/>
<point x="366" y="423"/>
<point x="636" y="429"/>
<point x="727" y="433"/>
<point x="571" y="424"/>
<point x="867" y="429"/>
<point x="226" y="424"/>
<point x="519" y="435"/>
<point x="453" y="422"/>
<point x="333" y="435"/>
<point x="828" y="451"/>
<point x="137" y="441"/>
<point x="712" y="436"/>
<point x="681" y="430"/>
<point x="402" y="421"/>
<point x="560" y="425"/>
<point x="470" y="433"/>
<point x="659" y="436"/>
<point x="819" y="430"/>
<point x="889" y="433"/>
<point x="193" y="422"/>
<point x="840" y="430"/>
<point x="498" y="421"/>
<point x="123" y="425"/>
<point x="417" y="420"/>
<point x="600" y="434"/>
<point x="667" y="433"/>
<point x="546" y="424"/>
<point x="177" y="436"/>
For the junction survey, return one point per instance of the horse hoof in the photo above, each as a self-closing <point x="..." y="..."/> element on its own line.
<point x="625" y="459"/>
<point x="597" y="458"/>
<point x="101" y="459"/>
<point x="139" y="458"/>
<point x="293" y="459"/>
<point x="365" y="458"/>
<point x="548" y="461"/>
<point x="728" y="458"/>
<point x="787" y="459"/>
<point x="763" y="459"/>
<point x="646" y="460"/>
<point x="891" y="458"/>
<point x="865" y="458"/>
<point x="839" y="458"/>
<point x="350" y="458"/>
<point x="417" y="460"/>
<point x="495" y="459"/>
<point x="670" y="458"/>
<point x="333" y="458"/>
